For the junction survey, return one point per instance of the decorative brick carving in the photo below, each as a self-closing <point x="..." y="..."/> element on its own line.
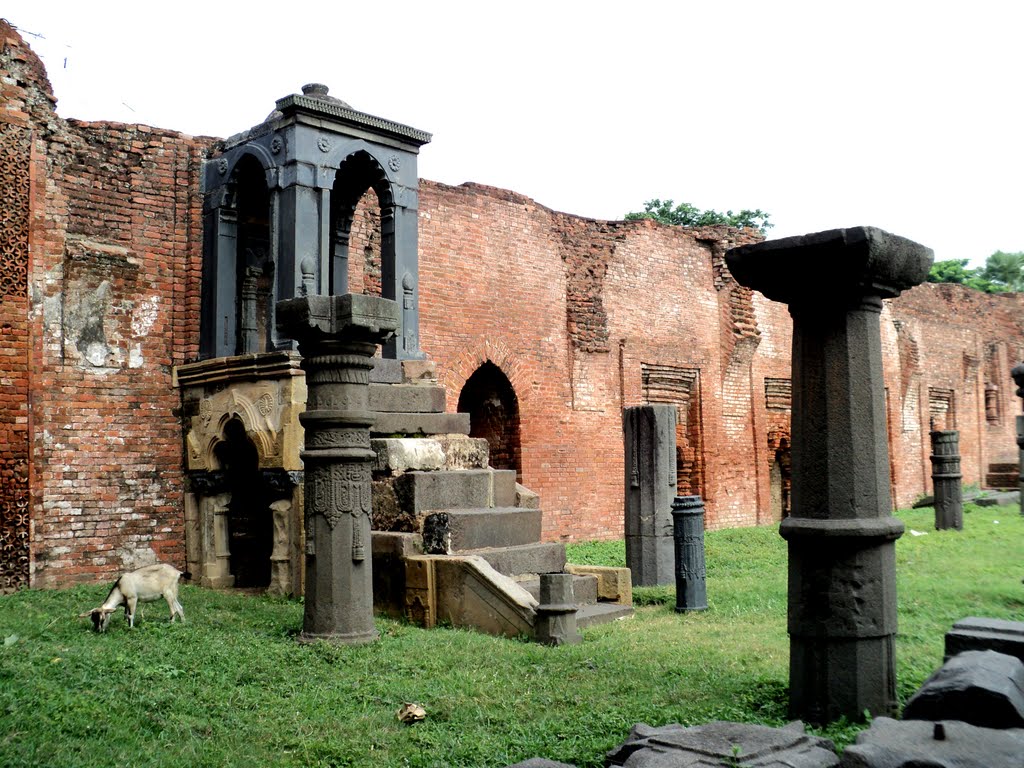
<point x="15" y="153"/>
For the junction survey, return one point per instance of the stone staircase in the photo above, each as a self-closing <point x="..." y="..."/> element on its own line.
<point x="1004" y="477"/>
<point x="455" y="540"/>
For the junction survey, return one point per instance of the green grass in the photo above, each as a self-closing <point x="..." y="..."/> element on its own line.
<point x="233" y="687"/>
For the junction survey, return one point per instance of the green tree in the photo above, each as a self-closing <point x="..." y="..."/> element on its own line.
<point x="1005" y="270"/>
<point x="686" y="215"/>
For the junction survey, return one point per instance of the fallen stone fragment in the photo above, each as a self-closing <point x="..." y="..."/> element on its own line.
<point x="947" y="744"/>
<point x="723" y="743"/>
<point x="983" y="688"/>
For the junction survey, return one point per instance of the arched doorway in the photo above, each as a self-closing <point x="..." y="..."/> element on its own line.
<point x="780" y="480"/>
<point x="493" y="408"/>
<point x="250" y="520"/>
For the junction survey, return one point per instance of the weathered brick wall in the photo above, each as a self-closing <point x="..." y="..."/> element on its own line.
<point x="108" y="304"/>
<point x="99" y="297"/>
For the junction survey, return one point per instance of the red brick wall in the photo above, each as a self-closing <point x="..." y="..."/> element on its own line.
<point x="110" y="303"/>
<point x="99" y="298"/>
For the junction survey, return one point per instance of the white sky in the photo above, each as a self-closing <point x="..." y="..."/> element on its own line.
<point x="902" y="115"/>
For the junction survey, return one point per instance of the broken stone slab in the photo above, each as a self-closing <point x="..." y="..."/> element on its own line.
<point x="981" y="634"/>
<point x="455" y="530"/>
<point x="983" y="688"/>
<point x="723" y="743"/>
<point x="946" y="744"/>
<point x="997" y="499"/>
<point x="414" y="424"/>
<point x="614" y="585"/>
<point x="462" y="452"/>
<point x="403" y="454"/>
<point x="540" y="762"/>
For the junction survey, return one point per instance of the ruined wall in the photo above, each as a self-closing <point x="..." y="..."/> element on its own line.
<point x="100" y="268"/>
<point x="108" y="303"/>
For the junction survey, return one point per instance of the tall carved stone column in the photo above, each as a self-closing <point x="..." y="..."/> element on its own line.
<point x="946" y="479"/>
<point x="841" y="534"/>
<point x="337" y="337"/>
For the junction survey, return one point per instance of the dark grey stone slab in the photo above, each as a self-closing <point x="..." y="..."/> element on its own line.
<point x="418" y="492"/>
<point x="529" y="558"/>
<point x="947" y="744"/>
<point x="540" y="762"/>
<point x="983" y="688"/>
<point x="504" y="487"/>
<point x="595" y="614"/>
<point x="406" y="398"/>
<point x="996" y="498"/>
<point x="649" y="434"/>
<point x="980" y="634"/>
<point x="413" y="424"/>
<point x="462" y="529"/>
<point x="584" y="588"/>
<point x="723" y="743"/>
<point x="386" y="371"/>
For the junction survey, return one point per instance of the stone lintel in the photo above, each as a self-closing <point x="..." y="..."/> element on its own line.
<point x="825" y="267"/>
<point x="238" y="368"/>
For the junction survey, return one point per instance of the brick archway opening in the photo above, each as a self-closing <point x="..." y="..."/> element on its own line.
<point x="493" y="407"/>
<point x="250" y="521"/>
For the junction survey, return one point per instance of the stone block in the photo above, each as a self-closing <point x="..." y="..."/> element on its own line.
<point x="406" y="398"/>
<point x="920" y="744"/>
<point x="389" y="585"/>
<point x="462" y="452"/>
<point x="529" y="558"/>
<point x="415" y="424"/>
<point x="386" y="371"/>
<point x="723" y="743"/>
<point x="472" y="594"/>
<point x="418" y="492"/>
<point x="402" y="454"/>
<point x="526" y="498"/>
<point x="983" y="688"/>
<point x="419" y="371"/>
<point x="584" y="588"/>
<point x="540" y="762"/>
<point x="595" y="614"/>
<point x="981" y="634"/>
<point x="503" y="486"/>
<point x="456" y="530"/>
<point x="614" y="585"/>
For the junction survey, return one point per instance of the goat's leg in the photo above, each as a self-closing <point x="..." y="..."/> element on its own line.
<point x="130" y="609"/>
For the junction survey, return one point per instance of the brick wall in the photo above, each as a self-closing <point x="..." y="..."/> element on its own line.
<point x="99" y="298"/>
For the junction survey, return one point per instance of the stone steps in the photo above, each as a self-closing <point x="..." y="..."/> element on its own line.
<point x="584" y="588"/>
<point x="420" y="492"/>
<point x="458" y="530"/>
<point x="540" y="557"/>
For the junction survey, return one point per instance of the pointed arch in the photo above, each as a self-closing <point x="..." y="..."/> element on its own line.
<point x="493" y="407"/>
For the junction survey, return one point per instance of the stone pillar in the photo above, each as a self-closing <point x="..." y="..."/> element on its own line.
<point x="337" y="337"/>
<point x="691" y="574"/>
<point x="650" y="443"/>
<point x="1018" y="378"/>
<point x="946" y="477"/>
<point x="556" y="611"/>
<point x="841" y="534"/>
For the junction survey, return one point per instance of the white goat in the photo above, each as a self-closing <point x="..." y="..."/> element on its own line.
<point x="144" y="585"/>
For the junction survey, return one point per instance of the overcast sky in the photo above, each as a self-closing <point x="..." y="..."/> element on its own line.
<point x="902" y="115"/>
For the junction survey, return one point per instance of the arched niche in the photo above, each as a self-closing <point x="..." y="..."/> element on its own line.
<point x="493" y="407"/>
<point x="363" y="228"/>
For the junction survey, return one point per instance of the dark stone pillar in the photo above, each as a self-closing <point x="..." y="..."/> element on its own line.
<point x="650" y="449"/>
<point x="691" y="574"/>
<point x="946" y="477"/>
<point x="841" y="534"/>
<point x="1018" y="378"/>
<point x="556" y="611"/>
<point x="337" y="337"/>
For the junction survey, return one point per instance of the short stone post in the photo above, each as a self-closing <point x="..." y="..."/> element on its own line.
<point x="946" y="477"/>
<point x="556" y="612"/>
<point x="691" y="574"/>
<point x="337" y="337"/>
<point x="841" y="533"/>
<point x="1018" y="378"/>
<point x="650" y="450"/>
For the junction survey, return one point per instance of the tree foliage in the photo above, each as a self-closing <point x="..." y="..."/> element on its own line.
<point x="686" y="215"/>
<point x="1002" y="273"/>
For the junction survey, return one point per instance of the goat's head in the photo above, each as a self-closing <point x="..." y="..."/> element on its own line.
<point x="100" y="618"/>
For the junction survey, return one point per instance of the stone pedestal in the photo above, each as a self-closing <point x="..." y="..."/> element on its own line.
<point x="691" y="574"/>
<point x="650" y="452"/>
<point x="841" y="534"/>
<point x="337" y="337"/>
<point x="1018" y="378"/>
<point x="556" y="610"/>
<point x="946" y="480"/>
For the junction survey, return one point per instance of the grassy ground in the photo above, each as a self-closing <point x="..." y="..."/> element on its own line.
<point x="232" y="687"/>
